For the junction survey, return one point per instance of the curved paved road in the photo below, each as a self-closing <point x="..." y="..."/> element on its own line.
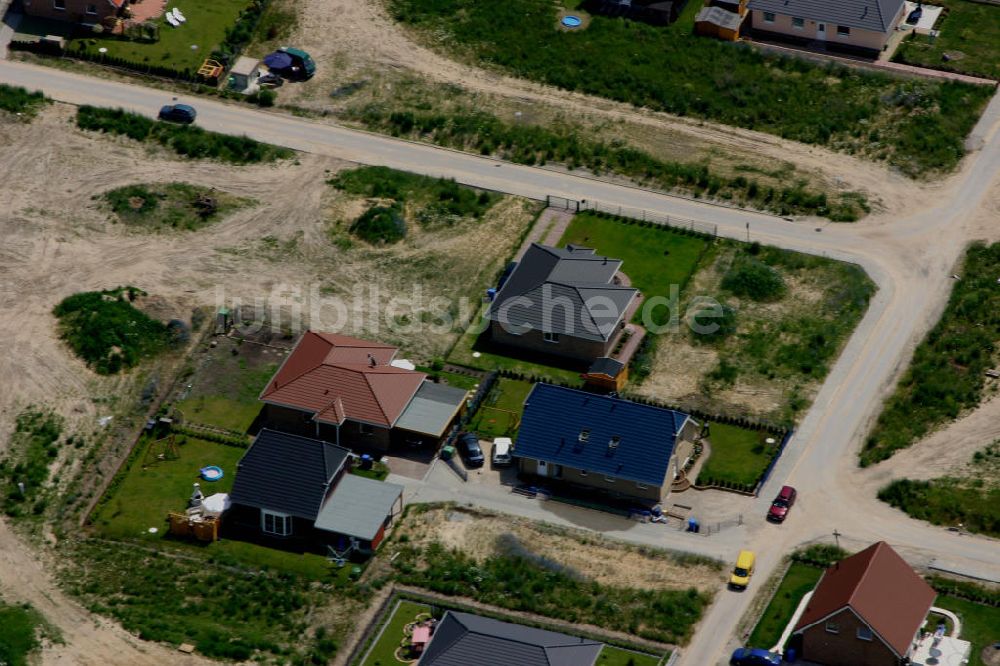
<point x="909" y="258"/>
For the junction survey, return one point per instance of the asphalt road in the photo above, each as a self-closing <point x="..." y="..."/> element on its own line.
<point x="911" y="259"/>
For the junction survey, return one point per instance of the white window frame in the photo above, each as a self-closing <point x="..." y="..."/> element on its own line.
<point x="768" y="17"/>
<point x="550" y="337"/>
<point x="865" y="633"/>
<point x="91" y="10"/>
<point x="583" y="472"/>
<point x="609" y="479"/>
<point x="584" y="435"/>
<point x="56" y="5"/>
<point x="366" y="429"/>
<point x="641" y="486"/>
<point x="843" y="31"/>
<point x="798" y="23"/>
<point x="832" y="627"/>
<point x="275" y="516"/>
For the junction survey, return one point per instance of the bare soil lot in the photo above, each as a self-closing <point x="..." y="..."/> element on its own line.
<point x="482" y="534"/>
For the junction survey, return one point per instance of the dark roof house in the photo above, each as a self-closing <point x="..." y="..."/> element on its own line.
<point x="613" y="439"/>
<point x="568" y="291"/>
<point x="304" y="483"/>
<point x="865" y="610"/>
<point x="463" y="639"/>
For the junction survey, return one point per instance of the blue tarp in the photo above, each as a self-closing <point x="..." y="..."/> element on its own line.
<point x="278" y="60"/>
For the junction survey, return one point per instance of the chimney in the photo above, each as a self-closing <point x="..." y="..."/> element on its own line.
<point x="371" y="360"/>
<point x="605" y="261"/>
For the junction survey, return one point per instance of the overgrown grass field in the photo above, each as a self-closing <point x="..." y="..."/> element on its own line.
<point x="187" y="140"/>
<point x="17" y="100"/>
<point x="110" y="334"/>
<point x="19" y="629"/>
<point x="971" y="29"/>
<point x="917" y="126"/>
<point x="169" y="206"/>
<point x="947" y="373"/>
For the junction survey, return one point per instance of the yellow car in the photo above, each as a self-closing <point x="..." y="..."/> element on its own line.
<point x="743" y="570"/>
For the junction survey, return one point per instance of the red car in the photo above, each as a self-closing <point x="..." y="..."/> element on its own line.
<point x="781" y="504"/>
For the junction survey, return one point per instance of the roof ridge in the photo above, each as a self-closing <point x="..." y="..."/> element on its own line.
<point x="864" y="575"/>
<point x="375" y="395"/>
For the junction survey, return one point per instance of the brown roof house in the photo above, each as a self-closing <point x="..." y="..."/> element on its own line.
<point x="349" y="392"/>
<point x="862" y="27"/>
<point x="569" y="302"/>
<point x="88" y="12"/>
<point x="866" y="610"/>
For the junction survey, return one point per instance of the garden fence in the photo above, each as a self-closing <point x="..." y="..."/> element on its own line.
<point x="639" y="214"/>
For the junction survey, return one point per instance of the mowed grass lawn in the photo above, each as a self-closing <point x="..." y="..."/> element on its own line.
<point x="980" y="624"/>
<point x="141" y="499"/>
<point x="205" y="28"/>
<point x="653" y="258"/>
<point x="612" y="656"/>
<point x="383" y="652"/>
<point x="501" y="409"/>
<point x="738" y="455"/>
<point x="969" y="28"/>
<point x="799" y="580"/>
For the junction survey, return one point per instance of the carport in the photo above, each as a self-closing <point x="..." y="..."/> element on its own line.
<point x="432" y="410"/>
<point x="361" y="508"/>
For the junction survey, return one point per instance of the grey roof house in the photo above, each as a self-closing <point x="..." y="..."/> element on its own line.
<point x="567" y="302"/>
<point x="617" y="446"/>
<point x="463" y="639"/>
<point x="297" y="488"/>
<point x="862" y="27"/>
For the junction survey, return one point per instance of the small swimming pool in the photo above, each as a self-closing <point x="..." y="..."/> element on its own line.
<point x="571" y="21"/>
<point x="211" y="473"/>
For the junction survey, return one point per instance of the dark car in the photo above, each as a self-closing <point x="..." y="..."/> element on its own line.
<point x="754" y="657"/>
<point x="781" y="504"/>
<point x="178" y="113"/>
<point x="270" y="81"/>
<point x="472" y="453"/>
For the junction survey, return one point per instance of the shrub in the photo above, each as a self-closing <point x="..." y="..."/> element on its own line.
<point x="754" y="279"/>
<point x="15" y="99"/>
<point x="713" y="322"/>
<point x="380" y="225"/>
<point x="107" y="332"/>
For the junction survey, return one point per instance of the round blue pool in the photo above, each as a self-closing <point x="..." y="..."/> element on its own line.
<point x="211" y="473"/>
<point x="571" y="21"/>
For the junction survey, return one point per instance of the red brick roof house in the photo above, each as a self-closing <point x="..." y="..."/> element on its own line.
<point x="75" y="11"/>
<point x="866" y="610"/>
<point x="347" y="391"/>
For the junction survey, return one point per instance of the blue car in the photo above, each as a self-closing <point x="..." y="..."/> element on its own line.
<point x="178" y="113"/>
<point x="754" y="657"/>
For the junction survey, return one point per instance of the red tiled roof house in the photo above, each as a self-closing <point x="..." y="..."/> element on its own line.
<point x="866" y="610"/>
<point x="88" y="12"/>
<point x="346" y="391"/>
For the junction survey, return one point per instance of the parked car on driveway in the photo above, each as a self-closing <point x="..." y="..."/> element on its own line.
<point x="470" y="450"/>
<point x="743" y="570"/>
<point x="781" y="504"/>
<point x="501" y="452"/>
<point x="754" y="657"/>
<point x="178" y="113"/>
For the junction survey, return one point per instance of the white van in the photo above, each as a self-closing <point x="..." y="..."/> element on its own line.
<point x="501" y="452"/>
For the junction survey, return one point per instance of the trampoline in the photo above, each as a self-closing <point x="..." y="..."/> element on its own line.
<point x="571" y="21"/>
<point x="211" y="473"/>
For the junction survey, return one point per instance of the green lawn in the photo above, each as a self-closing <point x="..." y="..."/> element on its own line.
<point x="980" y="624"/>
<point x="452" y="378"/>
<point x="206" y="27"/>
<point x="383" y="652"/>
<point x="738" y="455"/>
<point x="142" y="498"/>
<point x="654" y="258"/>
<point x="476" y="350"/>
<point x="501" y="409"/>
<point x="220" y="411"/>
<point x="19" y="626"/>
<point x="969" y="28"/>
<point x="612" y="656"/>
<point x="801" y="578"/>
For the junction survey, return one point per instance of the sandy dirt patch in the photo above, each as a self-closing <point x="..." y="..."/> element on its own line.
<point x="481" y="535"/>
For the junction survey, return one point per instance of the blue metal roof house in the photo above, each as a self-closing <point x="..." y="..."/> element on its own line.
<point x="621" y="447"/>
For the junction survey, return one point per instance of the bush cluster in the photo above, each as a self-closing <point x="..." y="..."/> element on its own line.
<point x="533" y="144"/>
<point x="819" y="555"/>
<point x="187" y="140"/>
<point x="947" y="373"/>
<point x="918" y="126"/>
<point x="380" y="225"/>
<point x="753" y="279"/>
<point x="31" y="451"/>
<point x="15" y="99"/>
<point x="105" y="330"/>
<point x="947" y="501"/>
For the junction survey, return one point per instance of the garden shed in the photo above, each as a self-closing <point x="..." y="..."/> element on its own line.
<point x="244" y="74"/>
<point x="719" y="23"/>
